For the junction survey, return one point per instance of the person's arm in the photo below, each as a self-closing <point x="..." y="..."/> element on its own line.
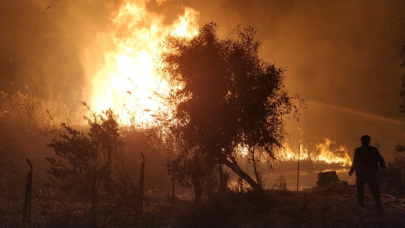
<point x="380" y="160"/>
<point x="354" y="164"/>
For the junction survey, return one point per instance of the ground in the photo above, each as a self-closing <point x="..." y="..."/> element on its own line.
<point x="333" y="206"/>
<point x="327" y="207"/>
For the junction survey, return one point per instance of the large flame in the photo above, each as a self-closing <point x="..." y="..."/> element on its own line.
<point x="126" y="80"/>
<point x="321" y="153"/>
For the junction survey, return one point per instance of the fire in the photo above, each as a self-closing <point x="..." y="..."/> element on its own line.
<point x="321" y="153"/>
<point x="339" y="156"/>
<point x="125" y="80"/>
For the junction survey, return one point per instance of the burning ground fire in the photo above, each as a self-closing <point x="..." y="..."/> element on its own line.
<point x="321" y="154"/>
<point x="127" y="82"/>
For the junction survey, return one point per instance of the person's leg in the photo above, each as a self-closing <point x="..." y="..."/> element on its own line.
<point x="375" y="191"/>
<point x="360" y="190"/>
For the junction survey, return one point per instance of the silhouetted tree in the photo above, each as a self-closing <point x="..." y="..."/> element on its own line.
<point x="226" y="96"/>
<point x="402" y="90"/>
<point x="393" y="177"/>
<point x="87" y="161"/>
<point x="394" y="34"/>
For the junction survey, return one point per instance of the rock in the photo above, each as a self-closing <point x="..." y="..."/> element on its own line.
<point x="325" y="178"/>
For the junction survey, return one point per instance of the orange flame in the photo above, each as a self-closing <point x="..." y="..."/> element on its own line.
<point x="125" y="80"/>
<point x="322" y="153"/>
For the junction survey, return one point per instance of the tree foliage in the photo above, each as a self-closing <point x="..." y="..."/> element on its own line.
<point x="226" y="95"/>
<point x="87" y="161"/>
<point x="394" y="33"/>
<point x="393" y="177"/>
<point x="192" y="171"/>
<point x="87" y="156"/>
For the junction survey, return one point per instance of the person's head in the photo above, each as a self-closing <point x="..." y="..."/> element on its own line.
<point x="365" y="139"/>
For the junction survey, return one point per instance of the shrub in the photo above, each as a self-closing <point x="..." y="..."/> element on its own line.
<point x="393" y="177"/>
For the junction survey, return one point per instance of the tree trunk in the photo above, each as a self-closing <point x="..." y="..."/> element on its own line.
<point x="222" y="181"/>
<point x="255" y="169"/>
<point x="197" y="193"/>
<point x="235" y="168"/>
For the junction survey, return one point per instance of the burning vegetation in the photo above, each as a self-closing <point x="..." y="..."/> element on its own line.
<point x="320" y="153"/>
<point x="127" y="81"/>
<point x="174" y="113"/>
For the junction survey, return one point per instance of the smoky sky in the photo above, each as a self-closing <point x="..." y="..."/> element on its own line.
<point x="41" y="43"/>
<point x="336" y="53"/>
<point x="338" y="58"/>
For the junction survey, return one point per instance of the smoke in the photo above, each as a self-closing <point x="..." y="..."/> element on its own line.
<point x="337" y="58"/>
<point x="42" y="41"/>
<point x="332" y="49"/>
<point x="335" y="53"/>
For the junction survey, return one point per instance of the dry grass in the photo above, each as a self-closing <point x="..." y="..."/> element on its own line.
<point x="333" y="206"/>
<point x="26" y="125"/>
<point x="318" y="207"/>
<point x="324" y="207"/>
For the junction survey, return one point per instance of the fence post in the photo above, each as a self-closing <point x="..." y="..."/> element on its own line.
<point x="141" y="184"/>
<point x="26" y="216"/>
<point x="173" y="193"/>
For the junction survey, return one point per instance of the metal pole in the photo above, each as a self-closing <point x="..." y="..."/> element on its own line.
<point x="298" y="168"/>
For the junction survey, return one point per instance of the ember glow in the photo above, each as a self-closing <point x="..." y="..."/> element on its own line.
<point x="321" y="153"/>
<point x="127" y="82"/>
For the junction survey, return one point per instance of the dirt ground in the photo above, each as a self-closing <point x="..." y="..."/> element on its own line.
<point x="326" y="207"/>
<point x="318" y="207"/>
